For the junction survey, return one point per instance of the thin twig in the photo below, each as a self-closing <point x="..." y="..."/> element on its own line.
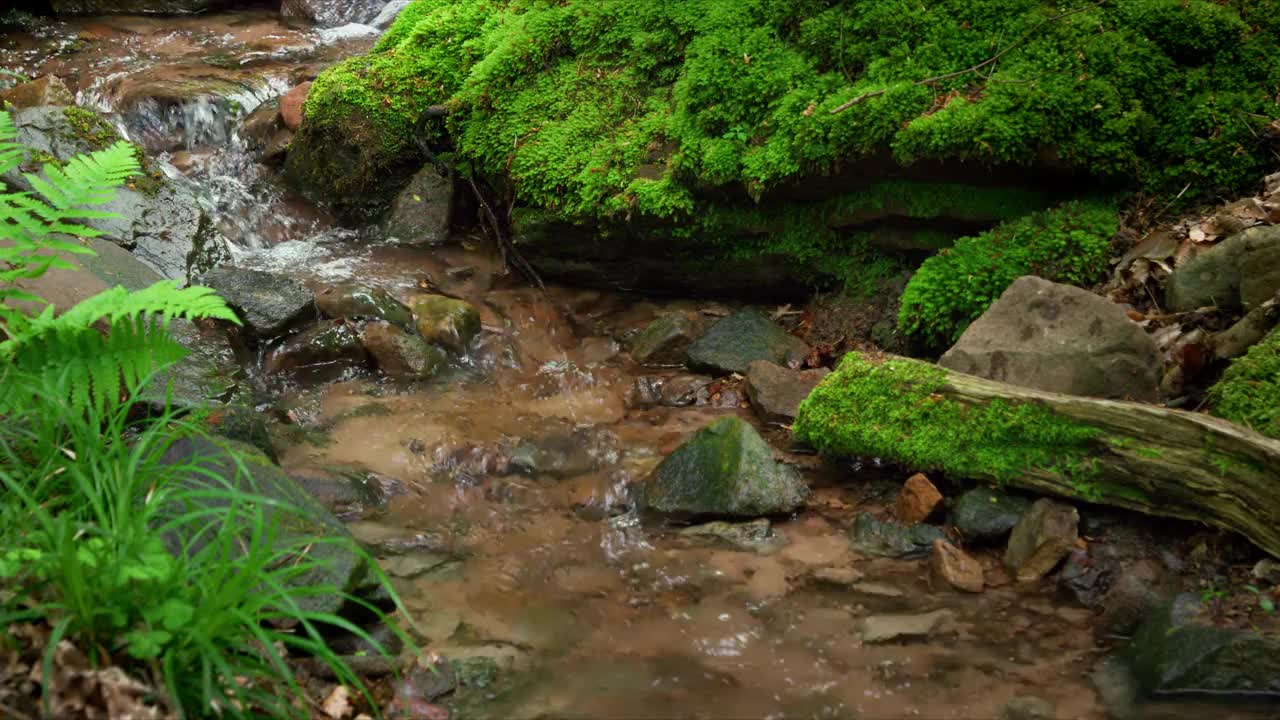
<point x="509" y="252"/>
<point x="989" y="61"/>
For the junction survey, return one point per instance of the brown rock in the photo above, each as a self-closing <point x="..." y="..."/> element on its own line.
<point x="291" y="105"/>
<point x="44" y="90"/>
<point x="776" y="392"/>
<point x="953" y="566"/>
<point x="917" y="500"/>
<point x="1041" y="539"/>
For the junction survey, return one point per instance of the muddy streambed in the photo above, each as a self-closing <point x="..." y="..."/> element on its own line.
<point x="498" y="491"/>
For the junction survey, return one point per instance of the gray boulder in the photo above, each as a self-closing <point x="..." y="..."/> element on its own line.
<point x="740" y="339"/>
<point x="776" y="392"/>
<point x="269" y="304"/>
<point x="725" y="469"/>
<point x="211" y="464"/>
<point x="1178" y="650"/>
<point x="1061" y="339"/>
<point x="1241" y="271"/>
<point x="156" y="220"/>
<point x="329" y="13"/>
<point x="986" y="514"/>
<point x="892" y="539"/>
<point x="422" y="212"/>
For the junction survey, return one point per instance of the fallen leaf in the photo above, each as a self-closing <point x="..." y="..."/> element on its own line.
<point x="338" y="704"/>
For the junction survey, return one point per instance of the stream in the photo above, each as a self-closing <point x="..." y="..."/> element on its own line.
<point x="502" y="484"/>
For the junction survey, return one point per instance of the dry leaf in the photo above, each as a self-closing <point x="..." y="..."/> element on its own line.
<point x="338" y="704"/>
<point x="1197" y="234"/>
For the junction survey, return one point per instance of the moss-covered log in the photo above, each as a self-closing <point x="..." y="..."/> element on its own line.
<point x="1140" y="457"/>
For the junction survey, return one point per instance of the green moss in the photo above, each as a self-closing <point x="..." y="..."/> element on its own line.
<point x="888" y="408"/>
<point x="1249" y="391"/>
<point x="93" y="132"/>
<point x="1070" y="244"/>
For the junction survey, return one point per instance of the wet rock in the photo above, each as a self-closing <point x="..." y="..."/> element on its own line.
<point x="876" y="589"/>
<point x="891" y="539"/>
<point x="402" y="355"/>
<point x="1029" y="707"/>
<point x="670" y="391"/>
<point x="917" y="500"/>
<point x="44" y="90"/>
<point x="1116" y="687"/>
<point x="197" y="461"/>
<point x="1178" y="649"/>
<point x="291" y="104"/>
<point x="755" y="536"/>
<point x="1137" y="589"/>
<point x="435" y="680"/>
<point x="563" y="452"/>
<point x="383" y="540"/>
<point x="326" y="351"/>
<point x="724" y="469"/>
<point x="987" y="514"/>
<point x="838" y="576"/>
<point x="269" y="304"/>
<point x="264" y="132"/>
<point x="157" y="221"/>
<point x="1267" y="570"/>
<point x="475" y="672"/>
<point x="736" y="341"/>
<point x="388" y="14"/>
<point x="666" y="340"/>
<point x="240" y="421"/>
<point x="951" y="565"/>
<point x="414" y="564"/>
<point x="1041" y="539"/>
<point x="422" y="212"/>
<point x="1062" y="339"/>
<point x="776" y="392"/>
<point x="329" y="13"/>
<point x="135" y="7"/>
<point x="349" y="491"/>
<point x="1241" y="271"/>
<point x="354" y="301"/>
<point x="887" y="628"/>
<point x="447" y="322"/>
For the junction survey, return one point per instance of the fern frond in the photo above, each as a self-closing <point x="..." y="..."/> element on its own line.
<point x="164" y="298"/>
<point x="93" y="369"/>
<point x="11" y="153"/>
<point x="86" y="179"/>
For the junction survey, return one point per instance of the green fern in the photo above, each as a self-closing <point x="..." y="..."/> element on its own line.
<point x="109" y="345"/>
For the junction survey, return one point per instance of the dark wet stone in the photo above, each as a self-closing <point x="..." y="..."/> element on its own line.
<point x="157" y="221"/>
<point x="402" y="355"/>
<point x="563" y="452"/>
<point x="754" y="536"/>
<point x="987" y="514"/>
<point x="670" y="391"/>
<point x="269" y="304"/>
<point x="336" y="564"/>
<point x="725" y="469"/>
<point x="328" y="13"/>
<point x="445" y="321"/>
<point x="1029" y="707"/>
<point x="890" y="539"/>
<point x="349" y="491"/>
<point x="240" y="421"/>
<point x="666" y="340"/>
<point x="208" y="373"/>
<point x="384" y="641"/>
<point x="736" y="341"/>
<point x="326" y="351"/>
<point x="422" y="212"/>
<point x="776" y="392"/>
<point x="1177" y="650"/>
<point x="355" y="301"/>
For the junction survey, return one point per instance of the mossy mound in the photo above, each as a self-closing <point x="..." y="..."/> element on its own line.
<point x="887" y="408"/>
<point x="1249" y="392"/>
<point x="632" y="114"/>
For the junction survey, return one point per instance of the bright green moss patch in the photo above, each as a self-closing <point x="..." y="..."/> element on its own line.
<point x="888" y="408"/>
<point x="1249" y="393"/>
<point x="1069" y="244"/>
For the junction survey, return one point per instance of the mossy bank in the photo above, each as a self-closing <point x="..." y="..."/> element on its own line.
<point x="683" y="122"/>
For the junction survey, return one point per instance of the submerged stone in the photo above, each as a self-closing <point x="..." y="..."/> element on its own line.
<point x="402" y="355"/>
<point x="733" y="343"/>
<point x="445" y="321"/>
<point x="754" y="536"/>
<point x="891" y="539"/>
<point x="887" y="628"/>
<point x="724" y="469"/>
<point x="1178" y="650"/>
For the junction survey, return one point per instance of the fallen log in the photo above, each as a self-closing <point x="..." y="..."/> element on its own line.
<point x="1141" y="457"/>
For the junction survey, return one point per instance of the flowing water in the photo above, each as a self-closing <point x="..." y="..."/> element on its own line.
<point x="587" y="612"/>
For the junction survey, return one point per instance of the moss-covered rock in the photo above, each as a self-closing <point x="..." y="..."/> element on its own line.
<point x="1249" y="391"/>
<point x="445" y="321"/>
<point x="636" y="113"/>
<point x="726" y="469"/>
<point x="742" y="338"/>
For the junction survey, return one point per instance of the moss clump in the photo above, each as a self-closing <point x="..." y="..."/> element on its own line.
<point x="1249" y="392"/>
<point x="92" y="131"/>
<point x="888" y="408"/>
<point x="1069" y="244"/>
<point x="614" y="108"/>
